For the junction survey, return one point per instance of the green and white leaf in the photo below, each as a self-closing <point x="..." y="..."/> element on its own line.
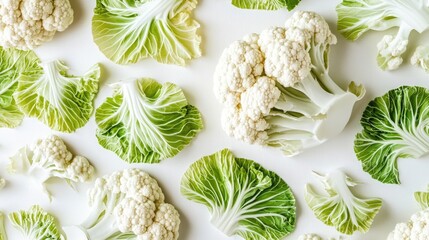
<point x="422" y="198"/>
<point x="146" y="122"/>
<point x="62" y="101"/>
<point x="127" y="31"/>
<point x="266" y="4"/>
<point x="338" y="207"/>
<point x="36" y="224"/>
<point x="13" y="64"/>
<point x="244" y="198"/>
<point x="3" y="234"/>
<point x="395" y="125"/>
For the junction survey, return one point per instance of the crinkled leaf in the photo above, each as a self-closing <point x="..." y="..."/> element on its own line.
<point x="127" y="31"/>
<point x="339" y="207"/>
<point x="422" y="199"/>
<point x="13" y="64"/>
<point x="266" y="4"/>
<point x="36" y="224"/>
<point x="395" y="125"/>
<point x="62" y="101"/>
<point x="244" y="198"/>
<point x="145" y="122"/>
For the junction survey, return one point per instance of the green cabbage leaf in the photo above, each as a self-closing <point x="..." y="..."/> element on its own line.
<point x="62" y="101"/>
<point x="36" y="224"/>
<point x="127" y="31"/>
<point x="146" y="122"/>
<point x="422" y="198"/>
<point x="339" y="207"/>
<point x="395" y="125"/>
<point x="243" y="198"/>
<point x="13" y="64"/>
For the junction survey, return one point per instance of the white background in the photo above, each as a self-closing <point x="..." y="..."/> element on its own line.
<point x="221" y="23"/>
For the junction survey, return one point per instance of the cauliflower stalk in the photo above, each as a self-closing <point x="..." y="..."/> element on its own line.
<point x="49" y="158"/>
<point x="355" y="17"/>
<point x="416" y="228"/>
<point x="130" y="204"/>
<point x="276" y="89"/>
<point x="25" y="24"/>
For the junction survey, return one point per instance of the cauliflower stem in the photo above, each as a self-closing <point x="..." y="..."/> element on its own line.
<point x="355" y="17"/>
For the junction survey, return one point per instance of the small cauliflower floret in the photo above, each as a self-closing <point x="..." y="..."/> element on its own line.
<point x="390" y="50"/>
<point x="258" y="100"/>
<point x="240" y="64"/>
<point x="80" y="170"/>
<point x="135" y="215"/>
<point x="417" y="228"/>
<point x="269" y="36"/>
<point x="314" y="24"/>
<point x="288" y="61"/>
<point x="25" y="24"/>
<point x="49" y="158"/>
<point x="309" y="236"/>
<point x="126" y="203"/>
<point x="240" y="126"/>
<point x="421" y="58"/>
<point x="165" y="226"/>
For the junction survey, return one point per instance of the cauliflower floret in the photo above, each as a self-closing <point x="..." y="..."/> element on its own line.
<point x="135" y="215"/>
<point x="390" y="50"/>
<point x="238" y="125"/>
<point x="421" y="58"/>
<point x="314" y="24"/>
<point x="237" y="70"/>
<point x="260" y="98"/>
<point x="36" y="9"/>
<point x="131" y="202"/>
<point x="287" y="61"/>
<point x="156" y="232"/>
<point x="168" y="216"/>
<point x="25" y="24"/>
<point x="269" y="36"/>
<point x="80" y="170"/>
<point x="142" y="184"/>
<point x="54" y="150"/>
<point x="417" y="228"/>
<point x="61" y="17"/>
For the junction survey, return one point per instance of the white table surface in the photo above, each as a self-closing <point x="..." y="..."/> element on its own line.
<point x="221" y="23"/>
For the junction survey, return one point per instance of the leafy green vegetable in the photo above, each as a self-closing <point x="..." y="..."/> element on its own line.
<point x="36" y="224"/>
<point x="3" y="235"/>
<point x="145" y="122"/>
<point x="266" y="4"/>
<point x="244" y="198"/>
<point x="340" y="208"/>
<point x="395" y="125"/>
<point x="13" y="64"/>
<point x="61" y="101"/>
<point x="422" y="199"/>
<point x="127" y="31"/>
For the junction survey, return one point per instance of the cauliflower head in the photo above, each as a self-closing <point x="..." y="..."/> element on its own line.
<point x="26" y="24"/>
<point x="276" y="89"/>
